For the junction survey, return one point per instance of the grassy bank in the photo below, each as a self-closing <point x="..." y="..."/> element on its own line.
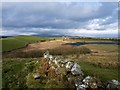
<point x="12" y="43"/>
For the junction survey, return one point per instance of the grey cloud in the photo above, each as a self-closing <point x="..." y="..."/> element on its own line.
<point x="56" y="16"/>
<point x="40" y="14"/>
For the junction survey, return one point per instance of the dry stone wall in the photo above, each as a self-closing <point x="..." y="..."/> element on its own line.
<point x="72" y="73"/>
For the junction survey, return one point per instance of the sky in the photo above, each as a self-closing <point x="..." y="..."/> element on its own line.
<point x="92" y="19"/>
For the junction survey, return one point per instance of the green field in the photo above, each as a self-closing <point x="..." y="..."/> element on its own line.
<point x="101" y="62"/>
<point x="103" y="47"/>
<point x="14" y="72"/>
<point x="104" y="74"/>
<point x="12" y="43"/>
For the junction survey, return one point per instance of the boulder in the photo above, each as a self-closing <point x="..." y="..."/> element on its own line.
<point x="69" y="65"/>
<point x="51" y="57"/>
<point x="82" y="87"/>
<point x="46" y="54"/>
<point x="36" y="76"/>
<point x="62" y="65"/>
<point x="78" y="82"/>
<point x="50" y="63"/>
<point x="113" y="84"/>
<point x="76" y="70"/>
<point x="62" y="62"/>
<point x="52" y="67"/>
<point x="87" y="79"/>
<point x="56" y="62"/>
<point x="92" y="83"/>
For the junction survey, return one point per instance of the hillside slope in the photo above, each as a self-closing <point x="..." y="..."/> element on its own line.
<point x="16" y="42"/>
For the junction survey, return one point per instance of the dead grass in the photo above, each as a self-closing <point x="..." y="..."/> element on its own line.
<point x="69" y="50"/>
<point x="61" y="50"/>
<point x="102" y="55"/>
<point x="102" y="61"/>
<point x="45" y="45"/>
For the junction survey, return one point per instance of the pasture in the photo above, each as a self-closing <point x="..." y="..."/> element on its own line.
<point x="13" y="43"/>
<point x="100" y="61"/>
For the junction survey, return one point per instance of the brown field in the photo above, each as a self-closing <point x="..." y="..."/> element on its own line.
<point x="37" y="49"/>
<point x="45" y="45"/>
<point x="100" y="61"/>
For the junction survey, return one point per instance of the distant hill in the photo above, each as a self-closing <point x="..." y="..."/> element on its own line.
<point x="12" y="43"/>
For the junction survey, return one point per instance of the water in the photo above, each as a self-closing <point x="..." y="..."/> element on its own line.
<point x="83" y="43"/>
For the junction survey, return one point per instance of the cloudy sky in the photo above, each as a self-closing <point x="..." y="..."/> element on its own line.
<point x="60" y="18"/>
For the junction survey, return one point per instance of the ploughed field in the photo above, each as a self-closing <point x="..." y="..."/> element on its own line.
<point x="100" y="61"/>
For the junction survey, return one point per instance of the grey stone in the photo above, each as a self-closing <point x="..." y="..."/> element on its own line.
<point x="87" y="80"/>
<point x="69" y="65"/>
<point x="78" y="82"/>
<point x="50" y="57"/>
<point x="93" y="83"/>
<point x="76" y="70"/>
<point x="113" y="84"/>
<point x="46" y="54"/>
<point x="69" y="79"/>
<point x="36" y="76"/>
<point x="82" y="87"/>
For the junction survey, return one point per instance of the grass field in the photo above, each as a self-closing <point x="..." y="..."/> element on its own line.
<point x="106" y="48"/>
<point x="101" y="62"/>
<point x="31" y="39"/>
<point x="14" y="74"/>
<point x="102" y="73"/>
<point x="12" y="43"/>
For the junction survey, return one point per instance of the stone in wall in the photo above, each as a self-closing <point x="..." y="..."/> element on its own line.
<point x="76" y="70"/>
<point x="113" y="84"/>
